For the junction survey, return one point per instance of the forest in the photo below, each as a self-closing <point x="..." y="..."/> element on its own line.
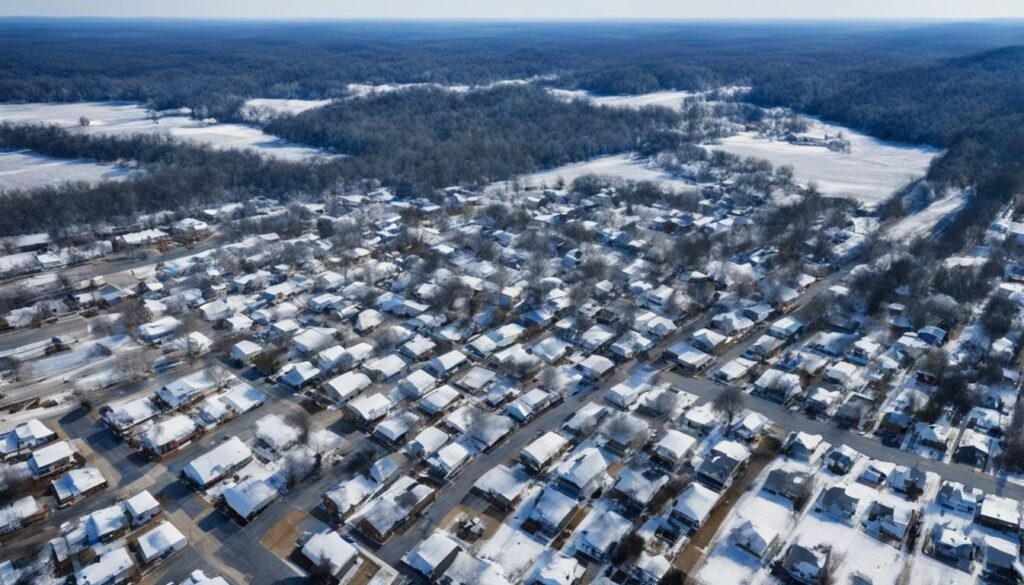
<point x="961" y="88"/>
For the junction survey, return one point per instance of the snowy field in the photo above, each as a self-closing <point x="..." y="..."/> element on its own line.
<point x="620" y="165"/>
<point x="669" y="99"/>
<point x="925" y="221"/>
<point x="113" y="118"/>
<point x="253" y="107"/>
<point x="24" y="169"/>
<point x="870" y="172"/>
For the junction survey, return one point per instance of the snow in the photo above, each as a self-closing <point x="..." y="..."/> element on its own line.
<point x="870" y="172"/>
<point x="24" y="169"/>
<point x="623" y="166"/>
<point x="669" y="98"/>
<point x="513" y="550"/>
<point x="114" y="118"/>
<point x="259" y="109"/>
<point x="928" y="219"/>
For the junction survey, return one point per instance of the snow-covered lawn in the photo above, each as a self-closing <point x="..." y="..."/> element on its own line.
<point x="870" y="172"/>
<point x="24" y="169"/>
<point x="729" y="564"/>
<point x="513" y="550"/>
<point x="128" y="118"/>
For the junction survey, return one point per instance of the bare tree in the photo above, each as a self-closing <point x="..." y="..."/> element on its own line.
<point x="729" y="403"/>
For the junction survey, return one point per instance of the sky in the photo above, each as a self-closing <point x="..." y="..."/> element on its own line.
<point x="521" y="9"/>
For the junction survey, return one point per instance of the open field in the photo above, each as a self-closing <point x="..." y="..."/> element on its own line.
<point x="128" y="118"/>
<point x="23" y="169"/>
<point x="870" y="172"/>
<point x="668" y="99"/>
<point x="620" y="165"/>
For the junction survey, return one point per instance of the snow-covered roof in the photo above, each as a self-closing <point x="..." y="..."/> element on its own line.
<point x="165" y="537"/>
<point x="427" y="556"/>
<point x="695" y="503"/>
<point x="249" y="496"/>
<point x="329" y="550"/>
<point x="218" y="461"/>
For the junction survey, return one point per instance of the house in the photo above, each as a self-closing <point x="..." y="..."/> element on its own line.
<point x="20" y="513"/>
<point x="367" y="410"/>
<point x="634" y="489"/>
<point x="786" y="328"/>
<point x="433" y="555"/>
<point x="113" y="567"/>
<point x="249" y="497"/>
<point x="76" y="485"/>
<point x="692" y="508"/>
<point x="673" y="447"/>
<point x="764" y="348"/>
<point x="469" y="570"/>
<point x="168" y="435"/>
<point x="956" y="496"/>
<point x="734" y="371"/>
<point x="401" y="502"/>
<point x="340" y="501"/>
<point x="889" y="520"/>
<point x="973" y="449"/>
<point x="160" y="542"/>
<point x="393" y="430"/>
<point x="595" y="367"/>
<point x="999" y="513"/>
<point x="599" y="532"/>
<point x="18" y="442"/>
<point x="586" y="418"/>
<point x="218" y="463"/>
<point x="53" y="458"/>
<point x="625" y="393"/>
<point x="529" y="405"/>
<point x="840" y="459"/>
<point x="805" y="565"/>
<point x="141" y="508"/>
<point x="688" y="357"/>
<point x="1000" y="560"/>
<point x="584" y="472"/>
<point x="552" y="511"/>
<point x="777" y="386"/>
<point x="952" y="545"/>
<point x="707" y="340"/>
<point x="542" y="451"/>
<point x="299" y="375"/>
<point x="341" y="388"/>
<point x="649" y="569"/>
<point x="502" y="486"/>
<point x="448" y="460"/>
<point x="838" y="502"/>
<point x="186" y="390"/>
<point x="724" y="461"/>
<point x="105" y="525"/>
<point x="446" y="364"/>
<point x="789" y="484"/>
<point x="802" y="446"/>
<point x="439" y="400"/>
<point x="757" y="539"/>
<point x="124" y="417"/>
<point x="327" y="554"/>
<point x="245" y="351"/>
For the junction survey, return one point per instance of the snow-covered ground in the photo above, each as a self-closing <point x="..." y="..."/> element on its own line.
<point x="924" y="222"/>
<point x="128" y="118"/>
<point x="668" y="99"/>
<point x="257" y="107"/>
<point x="870" y="172"/>
<point x="24" y="169"/>
<point x="620" y="165"/>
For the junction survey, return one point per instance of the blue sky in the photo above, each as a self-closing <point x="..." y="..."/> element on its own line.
<point x="521" y="9"/>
